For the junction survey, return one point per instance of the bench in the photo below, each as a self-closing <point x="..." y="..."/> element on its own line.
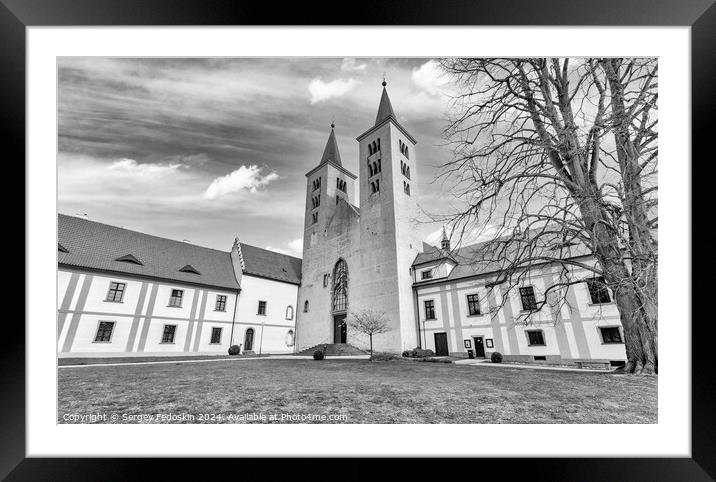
<point x="594" y="364"/>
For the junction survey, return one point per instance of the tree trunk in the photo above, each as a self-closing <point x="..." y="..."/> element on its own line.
<point x="371" y="346"/>
<point x="635" y="307"/>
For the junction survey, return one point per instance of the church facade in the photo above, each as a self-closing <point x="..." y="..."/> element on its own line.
<point x="359" y="258"/>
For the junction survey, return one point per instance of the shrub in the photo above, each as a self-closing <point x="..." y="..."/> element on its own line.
<point x="496" y="357"/>
<point x="234" y="350"/>
<point x="318" y="355"/>
<point x="407" y="353"/>
<point x="420" y="353"/>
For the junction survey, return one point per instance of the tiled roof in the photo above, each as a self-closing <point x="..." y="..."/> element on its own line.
<point x="487" y="257"/>
<point x="96" y="245"/>
<point x="270" y="264"/>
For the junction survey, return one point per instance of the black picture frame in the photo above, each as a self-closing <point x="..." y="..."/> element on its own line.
<point x="489" y="343"/>
<point x="700" y="15"/>
<point x="468" y="343"/>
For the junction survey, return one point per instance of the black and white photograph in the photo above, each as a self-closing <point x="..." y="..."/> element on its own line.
<point x="357" y="240"/>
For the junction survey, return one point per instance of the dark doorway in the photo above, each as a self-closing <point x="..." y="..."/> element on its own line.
<point x="479" y="347"/>
<point x="441" y="344"/>
<point x="249" y="340"/>
<point x="340" y="331"/>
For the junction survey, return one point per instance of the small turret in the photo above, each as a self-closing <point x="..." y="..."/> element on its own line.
<point x="445" y="242"/>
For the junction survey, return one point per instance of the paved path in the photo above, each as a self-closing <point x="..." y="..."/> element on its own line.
<point x="204" y="360"/>
<point x="487" y="363"/>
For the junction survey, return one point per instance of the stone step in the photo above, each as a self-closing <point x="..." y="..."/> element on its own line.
<point x="333" y="349"/>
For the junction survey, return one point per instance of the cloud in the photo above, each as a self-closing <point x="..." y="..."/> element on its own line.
<point x="296" y="245"/>
<point x="133" y="168"/>
<point x="278" y="250"/>
<point x="243" y="178"/>
<point x="321" y="91"/>
<point x="349" y="64"/>
<point x="293" y="248"/>
<point x="429" y="77"/>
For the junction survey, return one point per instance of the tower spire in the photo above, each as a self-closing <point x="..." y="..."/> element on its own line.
<point x="331" y="153"/>
<point x="385" y="109"/>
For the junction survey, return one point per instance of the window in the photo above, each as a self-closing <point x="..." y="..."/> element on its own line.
<point x="220" y="303"/>
<point x="116" y="292"/>
<point x="429" y="310"/>
<point x="598" y="291"/>
<point x="535" y="338"/>
<point x="262" y="308"/>
<point x="314" y="218"/>
<point x="370" y="170"/>
<point x="527" y="294"/>
<point x="406" y="188"/>
<point x="289" y="312"/>
<point x="168" y="334"/>
<point x="611" y="334"/>
<point x="340" y="286"/>
<point x="473" y="305"/>
<point x="305" y="306"/>
<point x="176" y="298"/>
<point x="428" y="274"/>
<point x="290" y="338"/>
<point x="104" y="332"/>
<point x="316" y="183"/>
<point x="215" y="336"/>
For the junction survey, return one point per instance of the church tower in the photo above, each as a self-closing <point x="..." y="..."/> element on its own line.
<point x="389" y="239"/>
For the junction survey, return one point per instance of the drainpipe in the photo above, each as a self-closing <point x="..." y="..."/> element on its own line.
<point x="261" y="340"/>
<point x="417" y="315"/>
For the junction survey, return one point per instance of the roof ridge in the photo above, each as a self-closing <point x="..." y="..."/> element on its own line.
<point x="269" y="250"/>
<point x="142" y="233"/>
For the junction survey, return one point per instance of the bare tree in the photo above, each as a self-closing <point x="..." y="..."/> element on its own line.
<point x="369" y="322"/>
<point x="559" y="158"/>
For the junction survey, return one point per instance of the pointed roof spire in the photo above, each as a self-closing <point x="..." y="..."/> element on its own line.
<point x="385" y="110"/>
<point x="331" y="153"/>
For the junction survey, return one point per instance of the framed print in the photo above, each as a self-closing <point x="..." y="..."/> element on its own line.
<point x="257" y="216"/>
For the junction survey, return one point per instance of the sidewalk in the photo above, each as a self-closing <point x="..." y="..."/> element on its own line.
<point x="126" y="362"/>
<point x="488" y="363"/>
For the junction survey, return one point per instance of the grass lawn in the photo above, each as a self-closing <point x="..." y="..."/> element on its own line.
<point x="365" y="392"/>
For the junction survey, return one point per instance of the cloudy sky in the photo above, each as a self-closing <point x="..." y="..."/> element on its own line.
<point x="208" y="149"/>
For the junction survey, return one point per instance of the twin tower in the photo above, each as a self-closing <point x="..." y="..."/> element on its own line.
<point x="357" y="258"/>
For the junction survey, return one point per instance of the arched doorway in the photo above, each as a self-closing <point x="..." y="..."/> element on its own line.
<point x="339" y="302"/>
<point x="249" y="340"/>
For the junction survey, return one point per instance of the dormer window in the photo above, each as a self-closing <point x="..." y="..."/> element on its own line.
<point x="128" y="258"/>
<point x="189" y="269"/>
<point x="427" y="274"/>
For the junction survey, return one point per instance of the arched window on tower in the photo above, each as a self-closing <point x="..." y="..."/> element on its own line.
<point x="289" y="312"/>
<point x="370" y="169"/>
<point x="375" y="148"/>
<point x="379" y="143"/>
<point x="380" y="169"/>
<point x="340" y="286"/>
<point x="305" y="306"/>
